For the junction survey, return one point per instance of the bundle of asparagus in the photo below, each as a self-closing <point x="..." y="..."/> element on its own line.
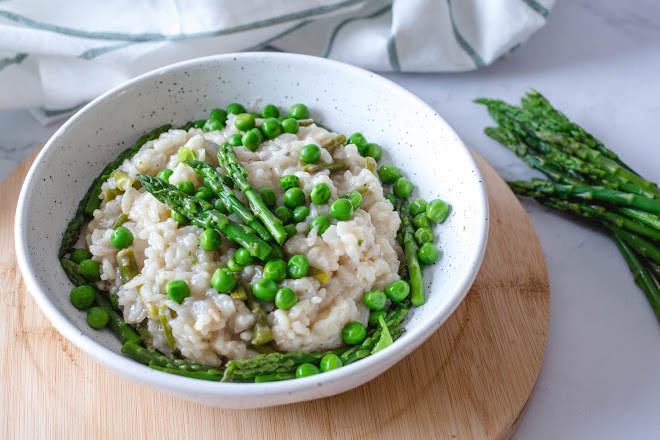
<point x="586" y="179"/>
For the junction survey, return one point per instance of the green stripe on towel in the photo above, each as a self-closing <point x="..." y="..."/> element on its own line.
<point x="478" y="62"/>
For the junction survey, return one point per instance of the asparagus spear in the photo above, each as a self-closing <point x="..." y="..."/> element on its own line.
<point x="91" y="201"/>
<point x="226" y="195"/>
<point x="593" y="194"/>
<point x="202" y="214"/>
<point x="151" y="357"/>
<point x="335" y="165"/>
<point x="599" y="213"/>
<point x="246" y="370"/>
<point x="117" y="324"/>
<point x="410" y="250"/>
<point x="237" y="173"/>
<point x="640" y="273"/>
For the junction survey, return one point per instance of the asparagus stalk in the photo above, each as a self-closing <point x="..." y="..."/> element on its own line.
<point x="640" y="273"/>
<point x="592" y="194"/>
<point x="91" y="201"/>
<point x="227" y="196"/>
<point x="599" y="213"/>
<point x="151" y="357"/>
<point x="237" y="173"/>
<point x="410" y="250"/>
<point x="335" y="165"/>
<point x="246" y="370"/>
<point x="202" y="214"/>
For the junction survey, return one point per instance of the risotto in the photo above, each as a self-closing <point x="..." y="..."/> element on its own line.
<point x="310" y="259"/>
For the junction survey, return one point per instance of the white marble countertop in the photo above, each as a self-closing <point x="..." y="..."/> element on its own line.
<point x="598" y="61"/>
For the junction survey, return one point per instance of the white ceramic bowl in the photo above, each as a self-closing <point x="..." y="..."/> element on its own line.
<point x="342" y="97"/>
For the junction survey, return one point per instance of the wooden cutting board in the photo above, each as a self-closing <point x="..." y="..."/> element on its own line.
<point x="470" y="380"/>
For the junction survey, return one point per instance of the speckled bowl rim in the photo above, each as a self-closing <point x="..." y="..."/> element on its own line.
<point x="327" y="384"/>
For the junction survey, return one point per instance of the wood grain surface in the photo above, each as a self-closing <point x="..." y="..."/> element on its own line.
<point x="470" y="380"/>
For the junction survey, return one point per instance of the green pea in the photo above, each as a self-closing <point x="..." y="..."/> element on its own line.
<point x="186" y="186"/>
<point x="355" y="198"/>
<point x="235" y="140"/>
<point x="289" y="181"/>
<point x="330" y="362"/>
<point x="213" y="125"/>
<point x="210" y="240"/>
<point x="233" y="265"/>
<point x="275" y="254"/>
<point x="437" y="210"/>
<point x="402" y="188"/>
<point x="268" y="196"/>
<point x="258" y="132"/>
<point x="323" y="222"/>
<point x="291" y="230"/>
<point x="310" y="153"/>
<point x="223" y="280"/>
<point x="90" y="269"/>
<point x="290" y="125"/>
<point x="423" y="235"/>
<point x="305" y="370"/>
<point x="427" y="253"/>
<point x="205" y="193"/>
<point x="244" y="122"/>
<point x="320" y="194"/>
<point x="218" y="205"/>
<point x="300" y="213"/>
<point x="421" y="221"/>
<point x="165" y="174"/>
<point x="271" y="128"/>
<point x="270" y="111"/>
<point x="374" y="315"/>
<point x="121" y="238"/>
<point x="251" y="140"/>
<point x="389" y="173"/>
<point x="82" y="297"/>
<point x="177" y="290"/>
<point x="392" y="198"/>
<point x="97" y="318"/>
<point x="398" y="290"/>
<point x="353" y="333"/>
<point x="341" y="209"/>
<point x="243" y="257"/>
<point x="199" y="124"/>
<point x="372" y="150"/>
<point x="218" y="114"/>
<point x="299" y="111"/>
<point x="275" y="270"/>
<point x="297" y="267"/>
<point x="375" y="300"/>
<point x="235" y="109"/>
<point x="265" y="289"/>
<point x="357" y="139"/>
<point x="80" y="254"/>
<point x="418" y="206"/>
<point x="285" y="298"/>
<point x="179" y="218"/>
<point x="283" y="213"/>
<point x="294" y="197"/>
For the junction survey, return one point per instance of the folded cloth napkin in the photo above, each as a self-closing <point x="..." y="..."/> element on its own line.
<point x="55" y="56"/>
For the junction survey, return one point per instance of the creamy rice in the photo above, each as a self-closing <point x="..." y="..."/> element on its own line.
<point x="361" y="254"/>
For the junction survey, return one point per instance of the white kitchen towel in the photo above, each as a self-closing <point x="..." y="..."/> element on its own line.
<point x="57" y="55"/>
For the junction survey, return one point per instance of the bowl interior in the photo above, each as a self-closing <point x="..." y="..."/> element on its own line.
<point x="343" y="98"/>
